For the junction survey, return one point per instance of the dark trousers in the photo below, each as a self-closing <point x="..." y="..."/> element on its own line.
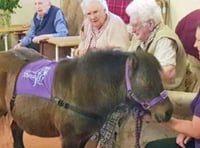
<point x="168" y="143"/>
<point x="34" y="46"/>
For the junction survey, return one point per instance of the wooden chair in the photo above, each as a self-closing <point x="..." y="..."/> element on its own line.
<point x="164" y="9"/>
<point x="74" y="15"/>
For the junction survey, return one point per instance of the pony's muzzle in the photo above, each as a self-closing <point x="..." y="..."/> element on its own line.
<point x="163" y="118"/>
<point x="163" y="112"/>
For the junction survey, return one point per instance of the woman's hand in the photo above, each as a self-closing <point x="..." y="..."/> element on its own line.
<point x="78" y="52"/>
<point x="182" y="139"/>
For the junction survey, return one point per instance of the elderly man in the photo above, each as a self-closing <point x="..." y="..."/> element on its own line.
<point x="151" y="35"/>
<point x="48" y="21"/>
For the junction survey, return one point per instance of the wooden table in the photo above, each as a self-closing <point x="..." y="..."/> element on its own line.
<point x="63" y="44"/>
<point x="12" y="29"/>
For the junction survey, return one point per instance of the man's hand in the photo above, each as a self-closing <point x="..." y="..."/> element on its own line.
<point x="38" y="39"/>
<point x="17" y="46"/>
<point x="168" y="74"/>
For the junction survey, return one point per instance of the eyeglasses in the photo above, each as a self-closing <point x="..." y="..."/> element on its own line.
<point x="94" y="13"/>
<point x="138" y="25"/>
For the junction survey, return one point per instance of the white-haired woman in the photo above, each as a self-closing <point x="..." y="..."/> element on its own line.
<point x="101" y="29"/>
<point x="151" y="35"/>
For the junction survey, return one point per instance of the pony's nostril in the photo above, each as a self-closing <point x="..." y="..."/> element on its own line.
<point x="163" y="117"/>
<point x="158" y="119"/>
<point x="168" y="115"/>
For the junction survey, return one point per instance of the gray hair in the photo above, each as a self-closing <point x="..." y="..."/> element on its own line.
<point x="85" y="3"/>
<point x="145" y="10"/>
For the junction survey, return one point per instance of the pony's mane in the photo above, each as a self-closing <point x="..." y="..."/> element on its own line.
<point x="110" y="56"/>
<point x="104" y="62"/>
<point x="106" y="55"/>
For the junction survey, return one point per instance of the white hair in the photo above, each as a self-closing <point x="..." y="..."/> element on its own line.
<point x="85" y="3"/>
<point x="145" y="10"/>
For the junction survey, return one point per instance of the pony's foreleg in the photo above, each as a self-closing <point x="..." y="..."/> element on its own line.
<point x="87" y="143"/>
<point x="17" y="134"/>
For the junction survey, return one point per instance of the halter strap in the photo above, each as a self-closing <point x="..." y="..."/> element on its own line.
<point x="131" y="95"/>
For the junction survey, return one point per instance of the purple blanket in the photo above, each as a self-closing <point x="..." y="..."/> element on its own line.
<point x="36" y="78"/>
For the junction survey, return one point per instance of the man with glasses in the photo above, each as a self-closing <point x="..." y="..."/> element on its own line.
<point x="151" y="35"/>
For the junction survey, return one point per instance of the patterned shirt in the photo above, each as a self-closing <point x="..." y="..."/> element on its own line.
<point x="118" y="7"/>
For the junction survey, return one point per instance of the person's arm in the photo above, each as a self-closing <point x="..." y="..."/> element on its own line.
<point x="28" y="37"/>
<point x="168" y="74"/>
<point x="60" y="27"/>
<point x="186" y="127"/>
<point x="80" y="51"/>
<point x="165" y="52"/>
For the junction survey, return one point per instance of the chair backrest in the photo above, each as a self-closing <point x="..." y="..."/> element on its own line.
<point x="186" y="29"/>
<point x="73" y="14"/>
<point x="164" y="9"/>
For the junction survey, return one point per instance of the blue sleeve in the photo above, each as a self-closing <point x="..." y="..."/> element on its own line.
<point x="60" y="25"/>
<point x="29" y="36"/>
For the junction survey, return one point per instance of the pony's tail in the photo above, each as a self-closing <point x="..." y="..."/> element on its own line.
<point x="5" y="131"/>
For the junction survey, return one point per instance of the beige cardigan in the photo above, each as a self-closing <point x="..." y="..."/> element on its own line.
<point x="114" y="35"/>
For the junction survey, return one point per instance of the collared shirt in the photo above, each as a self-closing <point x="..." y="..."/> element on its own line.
<point x="60" y="27"/>
<point x="96" y="33"/>
<point x="107" y="37"/>
<point x="118" y="7"/>
<point x="165" y="51"/>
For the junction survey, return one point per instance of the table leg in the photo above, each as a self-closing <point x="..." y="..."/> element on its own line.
<point x="6" y="42"/>
<point x="57" y="53"/>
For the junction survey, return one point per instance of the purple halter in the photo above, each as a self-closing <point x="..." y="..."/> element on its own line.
<point x="131" y="95"/>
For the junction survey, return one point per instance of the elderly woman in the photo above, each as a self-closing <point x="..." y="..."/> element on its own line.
<point x="101" y="29"/>
<point x="151" y="35"/>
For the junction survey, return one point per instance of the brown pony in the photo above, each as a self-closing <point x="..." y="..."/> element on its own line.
<point x="85" y="91"/>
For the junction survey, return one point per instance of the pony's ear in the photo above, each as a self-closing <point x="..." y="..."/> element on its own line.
<point x="133" y="61"/>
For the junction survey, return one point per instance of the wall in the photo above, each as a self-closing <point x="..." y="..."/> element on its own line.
<point x="179" y="8"/>
<point x="24" y="15"/>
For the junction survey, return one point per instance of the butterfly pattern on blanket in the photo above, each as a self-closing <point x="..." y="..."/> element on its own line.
<point x="36" y="79"/>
